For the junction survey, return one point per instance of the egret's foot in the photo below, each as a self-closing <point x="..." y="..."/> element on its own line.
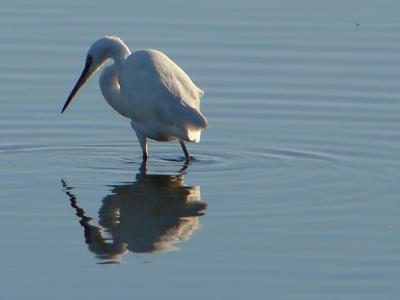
<point x="184" y="167"/>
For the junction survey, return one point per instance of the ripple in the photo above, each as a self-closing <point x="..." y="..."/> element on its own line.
<point x="166" y="158"/>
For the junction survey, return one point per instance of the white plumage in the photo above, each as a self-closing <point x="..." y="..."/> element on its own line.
<point x="147" y="87"/>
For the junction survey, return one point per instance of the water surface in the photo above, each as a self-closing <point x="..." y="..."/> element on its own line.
<point x="292" y="193"/>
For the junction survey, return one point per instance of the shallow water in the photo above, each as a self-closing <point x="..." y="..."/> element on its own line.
<point x="292" y="193"/>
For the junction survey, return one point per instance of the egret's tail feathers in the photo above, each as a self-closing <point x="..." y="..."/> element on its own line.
<point x="202" y="121"/>
<point x="192" y="118"/>
<point x="194" y="135"/>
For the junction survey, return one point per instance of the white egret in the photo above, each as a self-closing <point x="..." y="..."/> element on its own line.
<point x="147" y="87"/>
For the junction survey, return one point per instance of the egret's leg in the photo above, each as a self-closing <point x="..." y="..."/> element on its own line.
<point x="143" y="143"/>
<point x="185" y="151"/>
<point x="143" y="168"/>
<point x="145" y="156"/>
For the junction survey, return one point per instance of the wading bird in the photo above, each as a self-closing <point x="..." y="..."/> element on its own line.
<point x="147" y="87"/>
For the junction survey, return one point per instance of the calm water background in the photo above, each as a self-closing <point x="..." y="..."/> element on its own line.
<point x="294" y="190"/>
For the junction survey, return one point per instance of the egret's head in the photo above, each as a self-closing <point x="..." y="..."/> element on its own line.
<point x="99" y="53"/>
<point x="101" y="50"/>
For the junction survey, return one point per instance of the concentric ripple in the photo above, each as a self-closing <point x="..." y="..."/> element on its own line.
<point x="164" y="158"/>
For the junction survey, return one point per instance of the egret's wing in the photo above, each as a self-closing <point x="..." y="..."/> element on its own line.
<point x="159" y="91"/>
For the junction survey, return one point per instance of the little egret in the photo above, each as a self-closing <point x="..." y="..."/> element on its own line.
<point x="147" y="87"/>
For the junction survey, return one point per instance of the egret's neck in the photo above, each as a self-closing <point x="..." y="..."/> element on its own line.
<point x="109" y="85"/>
<point x="118" y="51"/>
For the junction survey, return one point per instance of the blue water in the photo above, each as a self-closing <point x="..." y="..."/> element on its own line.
<point x="293" y="190"/>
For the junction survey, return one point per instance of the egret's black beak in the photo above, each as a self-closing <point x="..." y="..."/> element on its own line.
<point x="81" y="81"/>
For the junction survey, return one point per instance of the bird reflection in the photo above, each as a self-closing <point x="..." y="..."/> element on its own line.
<point x="149" y="215"/>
